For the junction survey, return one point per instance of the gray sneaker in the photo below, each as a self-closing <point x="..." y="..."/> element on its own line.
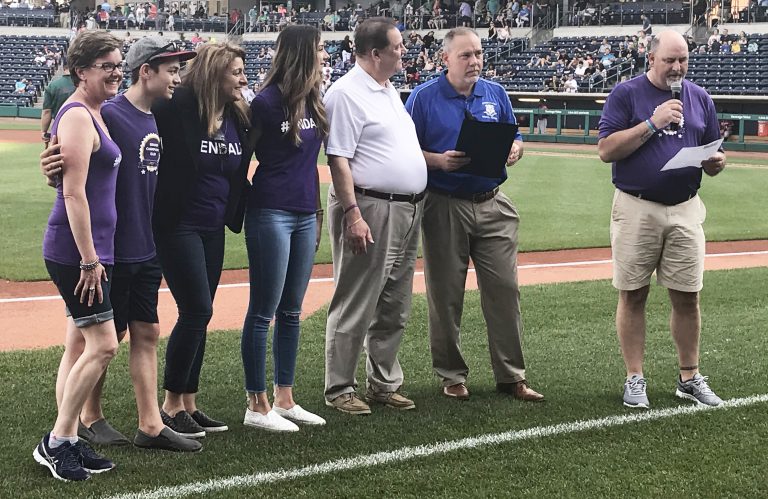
<point x="698" y="390"/>
<point x="634" y="393"/>
<point x="167" y="439"/>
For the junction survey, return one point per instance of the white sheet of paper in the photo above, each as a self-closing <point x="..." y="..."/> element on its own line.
<point x="692" y="156"/>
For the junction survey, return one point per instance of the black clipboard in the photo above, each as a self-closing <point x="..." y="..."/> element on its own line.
<point x="488" y="144"/>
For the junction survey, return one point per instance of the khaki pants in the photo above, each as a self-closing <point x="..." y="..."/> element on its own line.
<point x="372" y="300"/>
<point x="455" y="230"/>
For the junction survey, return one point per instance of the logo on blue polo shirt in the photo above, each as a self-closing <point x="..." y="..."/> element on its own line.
<point x="490" y="110"/>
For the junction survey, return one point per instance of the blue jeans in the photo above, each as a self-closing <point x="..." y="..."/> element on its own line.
<point x="281" y="250"/>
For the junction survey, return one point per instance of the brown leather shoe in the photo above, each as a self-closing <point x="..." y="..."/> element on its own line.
<point x="458" y="391"/>
<point x="395" y="400"/>
<point x="520" y="391"/>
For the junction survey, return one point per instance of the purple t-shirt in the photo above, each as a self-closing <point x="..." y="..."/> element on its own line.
<point x="59" y="243"/>
<point x="635" y="101"/>
<point x="286" y="178"/>
<point x="218" y="158"/>
<point x="135" y="132"/>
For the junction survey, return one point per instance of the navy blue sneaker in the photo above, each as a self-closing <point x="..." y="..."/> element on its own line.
<point x="90" y="460"/>
<point x="62" y="462"/>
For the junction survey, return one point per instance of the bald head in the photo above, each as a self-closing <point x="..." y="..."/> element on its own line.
<point x="668" y="59"/>
<point x="667" y="38"/>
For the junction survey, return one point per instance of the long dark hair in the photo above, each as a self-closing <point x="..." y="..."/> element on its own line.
<point x="296" y="71"/>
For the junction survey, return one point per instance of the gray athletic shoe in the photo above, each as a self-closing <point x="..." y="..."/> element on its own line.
<point x="166" y="440"/>
<point x="634" y="393"/>
<point x="698" y="390"/>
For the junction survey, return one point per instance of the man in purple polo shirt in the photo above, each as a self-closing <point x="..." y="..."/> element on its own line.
<point x="154" y="64"/>
<point x="657" y="216"/>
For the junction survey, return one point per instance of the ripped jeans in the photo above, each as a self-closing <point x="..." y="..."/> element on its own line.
<point x="281" y="250"/>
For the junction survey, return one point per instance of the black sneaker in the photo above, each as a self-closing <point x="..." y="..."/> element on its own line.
<point x="183" y="424"/>
<point x="101" y="433"/>
<point x="90" y="460"/>
<point x="166" y="440"/>
<point x="62" y="461"/>
<point x="208" y="424"/>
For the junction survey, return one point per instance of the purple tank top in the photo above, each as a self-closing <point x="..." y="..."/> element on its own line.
<point x="59" y="244"/>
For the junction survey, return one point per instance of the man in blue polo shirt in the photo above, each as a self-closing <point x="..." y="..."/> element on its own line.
<point x="466" y="216"/>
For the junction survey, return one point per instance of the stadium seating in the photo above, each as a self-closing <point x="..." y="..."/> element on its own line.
<point x="720" y="74"/>
<point x="211" y="25"/>
<point x="733" y="74"/>
<point x="17" y="61"/>
<point x="27" y="17"/>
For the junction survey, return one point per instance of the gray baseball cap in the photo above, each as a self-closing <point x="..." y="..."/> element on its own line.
<point x="150" y="48"/>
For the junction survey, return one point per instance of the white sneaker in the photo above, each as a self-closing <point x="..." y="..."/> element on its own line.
<point x="299" y="415"/>
<point x="272" y="421"/>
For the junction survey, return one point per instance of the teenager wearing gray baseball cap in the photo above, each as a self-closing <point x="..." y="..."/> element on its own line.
<point x="155" y="64"/>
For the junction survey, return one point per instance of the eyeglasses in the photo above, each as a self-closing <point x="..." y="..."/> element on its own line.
<point x="108" y="67"/>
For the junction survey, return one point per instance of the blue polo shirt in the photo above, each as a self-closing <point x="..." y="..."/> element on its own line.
<point x="438" y="111"/>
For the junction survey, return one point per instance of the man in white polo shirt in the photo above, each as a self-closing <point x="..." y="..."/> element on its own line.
<point x="379" y="176"/>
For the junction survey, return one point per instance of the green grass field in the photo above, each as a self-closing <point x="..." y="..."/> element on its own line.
<point x="19" y="125"/>
<point x="572" y="356"/>
<point x="564" y="202"/>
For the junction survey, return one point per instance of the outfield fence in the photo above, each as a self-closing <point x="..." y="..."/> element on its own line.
<point x="579" y="126"/>
<point x="571" y="126"/>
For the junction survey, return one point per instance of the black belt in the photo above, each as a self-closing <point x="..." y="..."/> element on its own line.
<point x="409" y="198"/>
<point x="666" y="202"/>
<point x="478" y="197"/>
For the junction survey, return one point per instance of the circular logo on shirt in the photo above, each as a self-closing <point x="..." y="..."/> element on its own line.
<point x="149" y="154"/>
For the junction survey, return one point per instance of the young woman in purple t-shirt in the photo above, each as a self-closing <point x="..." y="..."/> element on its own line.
<point x="281" y="223"/>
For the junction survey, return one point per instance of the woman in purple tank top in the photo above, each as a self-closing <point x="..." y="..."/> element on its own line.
<point x="78" y="247"/>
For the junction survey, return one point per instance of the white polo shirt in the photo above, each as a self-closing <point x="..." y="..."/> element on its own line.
<point x="370" y="127"/>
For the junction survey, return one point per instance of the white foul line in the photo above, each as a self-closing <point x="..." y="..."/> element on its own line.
<point x="408" y="453"/>
<point x="419" y="273"/>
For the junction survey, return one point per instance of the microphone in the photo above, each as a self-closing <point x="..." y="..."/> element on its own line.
<point x="677" y="88"/>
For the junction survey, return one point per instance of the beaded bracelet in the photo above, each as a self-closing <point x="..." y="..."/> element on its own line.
<point x="89" y="266"/>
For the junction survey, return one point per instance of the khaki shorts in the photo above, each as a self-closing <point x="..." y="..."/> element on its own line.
<point x="648" y="237"/>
